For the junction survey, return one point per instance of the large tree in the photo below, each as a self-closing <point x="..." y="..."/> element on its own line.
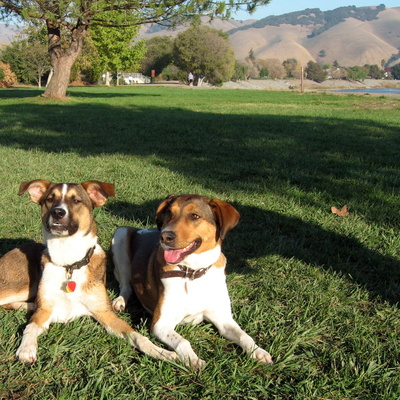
<point x="67" y="22"/>
<point x="115" y="50"/>
<point x="207" y="53"/>
<point x="28" y="59"/>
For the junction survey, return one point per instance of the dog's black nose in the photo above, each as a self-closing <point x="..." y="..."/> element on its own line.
<point x="58" y="213"/>
<point x="167" y="236"/>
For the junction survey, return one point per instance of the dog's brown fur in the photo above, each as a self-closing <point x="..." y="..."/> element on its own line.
<point x="192" y="229"/>
<point x="42" y="272"/>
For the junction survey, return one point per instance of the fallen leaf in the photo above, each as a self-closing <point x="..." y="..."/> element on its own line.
<point x="341" y="213"/>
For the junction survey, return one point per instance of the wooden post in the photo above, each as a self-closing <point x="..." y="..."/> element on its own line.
<point x="302" y="80"/>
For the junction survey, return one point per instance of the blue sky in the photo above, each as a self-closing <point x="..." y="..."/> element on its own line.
<point x="278" y="7"/>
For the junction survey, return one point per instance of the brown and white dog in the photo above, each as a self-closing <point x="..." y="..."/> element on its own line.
<point x="66" y="275"/>
<point x="178" y="273"/>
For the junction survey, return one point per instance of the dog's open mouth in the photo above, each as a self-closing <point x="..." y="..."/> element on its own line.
<point x="175" y="256"/>
<point x="57" y="228"/>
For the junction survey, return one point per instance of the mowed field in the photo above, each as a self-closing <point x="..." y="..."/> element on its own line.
<point x="320" y="292"/>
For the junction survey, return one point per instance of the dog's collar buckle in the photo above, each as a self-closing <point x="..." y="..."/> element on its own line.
<point x="192" y="274"/>
<point x="70" y="268"/>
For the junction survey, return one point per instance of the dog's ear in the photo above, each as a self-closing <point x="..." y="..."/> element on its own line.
<point x="226" y="217"/>
<point x="35" y="188"/>
<point x="99" y="192"/>
<point x="162" y="208"/>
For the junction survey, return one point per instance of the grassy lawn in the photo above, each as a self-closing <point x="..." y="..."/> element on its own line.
<point x="318" y="291"/>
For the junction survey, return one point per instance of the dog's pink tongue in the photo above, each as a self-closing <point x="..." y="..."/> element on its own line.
<point x="173" y="256"/>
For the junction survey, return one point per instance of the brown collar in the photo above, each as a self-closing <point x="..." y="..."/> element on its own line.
<point x="185" y="272"/>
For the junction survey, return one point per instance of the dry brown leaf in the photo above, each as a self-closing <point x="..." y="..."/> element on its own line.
<point x="341" y="213"/>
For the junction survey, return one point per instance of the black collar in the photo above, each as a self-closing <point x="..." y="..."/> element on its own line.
<point x="81" y="263"/>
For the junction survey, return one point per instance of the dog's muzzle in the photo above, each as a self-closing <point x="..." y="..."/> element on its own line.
<point x="58" y="221"/>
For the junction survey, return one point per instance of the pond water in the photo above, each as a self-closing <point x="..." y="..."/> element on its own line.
<point x="375" y="90"/>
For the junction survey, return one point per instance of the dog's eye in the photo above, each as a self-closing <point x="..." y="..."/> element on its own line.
<point x="194" y="216"/>
<point x="168" y="214"/>
<point x="76" y="201"/>
<point x="50" y="199"/>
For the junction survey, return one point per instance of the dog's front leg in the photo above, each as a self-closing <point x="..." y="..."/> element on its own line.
<point x="121" y="252"/>
<point x="166" y="334"/>
<point x="232" y="331"/>
<point x="119" y="327"/>
<point x="39" y="322"/>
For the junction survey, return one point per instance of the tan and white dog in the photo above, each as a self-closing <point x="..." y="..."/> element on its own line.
<point x="65" y="276"/>
<point x="178" y="272"/>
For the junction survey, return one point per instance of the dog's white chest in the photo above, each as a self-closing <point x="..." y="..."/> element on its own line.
<point x="65" y="306"/>
<point x="192" y="300"/>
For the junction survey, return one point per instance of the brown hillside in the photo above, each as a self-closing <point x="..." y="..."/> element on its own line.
<point x="280" y="42"/>
<point x="351" y="42"/>
<point x="357" y="43"/>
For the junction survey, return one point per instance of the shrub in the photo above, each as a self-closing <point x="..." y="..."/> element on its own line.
<point x="315" y="72"/>
<point x="7" y="75"/>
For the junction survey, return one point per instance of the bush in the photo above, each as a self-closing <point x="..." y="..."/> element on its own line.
<point x="171" y="73"/>
<point x="8" y="77"/>
<point x="396" y="71"/>
<point x="315" y="72"/>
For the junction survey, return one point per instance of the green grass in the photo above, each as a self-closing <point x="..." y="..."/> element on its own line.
<point x="319" y="292"/>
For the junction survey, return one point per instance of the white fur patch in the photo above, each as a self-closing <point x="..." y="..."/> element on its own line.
<point x="202" y="260"/>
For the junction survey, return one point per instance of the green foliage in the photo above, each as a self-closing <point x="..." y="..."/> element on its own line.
<point x="396" y="71"/>
<point x="28" y="59"/>
<point x="115" y="51"/>
<point x="315" y="72"/>
<point x="1" y="74"/>
<point x="319" y="292"/>
<point x="206" y="52"/>
<point x="357" y="73"/>
<point x="171" y="73"/>
<point x="375" y="72"/>
<point x="290" y="66"/>
<point x="159" y="54"/>
<point x="88" y="67"/>
<point x="13" y="55"/>
<point x="241" y="71"/>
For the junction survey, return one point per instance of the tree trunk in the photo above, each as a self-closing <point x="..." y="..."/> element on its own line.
<point x="49" y="77"/>
<point x="58" y="85"/>
<point x="108" y="78"/>
<point x="61" y="59"/>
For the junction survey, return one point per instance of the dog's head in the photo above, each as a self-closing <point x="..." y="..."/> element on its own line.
<point x="67" y="207"/>
<point x="193" y="224"/>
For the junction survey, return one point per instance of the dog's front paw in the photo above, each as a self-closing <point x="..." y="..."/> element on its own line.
<point x="26" y="353"/>
<point x="262" y="356"/>
<point x="195" y="364"/>
<point x="118" y="304"/>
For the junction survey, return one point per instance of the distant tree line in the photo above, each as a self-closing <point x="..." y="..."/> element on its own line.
<point x="204" y="51"/>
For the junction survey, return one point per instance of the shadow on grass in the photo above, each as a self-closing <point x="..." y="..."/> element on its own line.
<point x="20" y="93"/>
<point x="289" y="156"/>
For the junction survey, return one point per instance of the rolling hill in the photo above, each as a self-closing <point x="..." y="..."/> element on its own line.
<point x="349" y="35"/>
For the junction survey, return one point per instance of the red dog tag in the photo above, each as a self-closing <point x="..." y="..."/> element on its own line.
<point x="70" y="286"/>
